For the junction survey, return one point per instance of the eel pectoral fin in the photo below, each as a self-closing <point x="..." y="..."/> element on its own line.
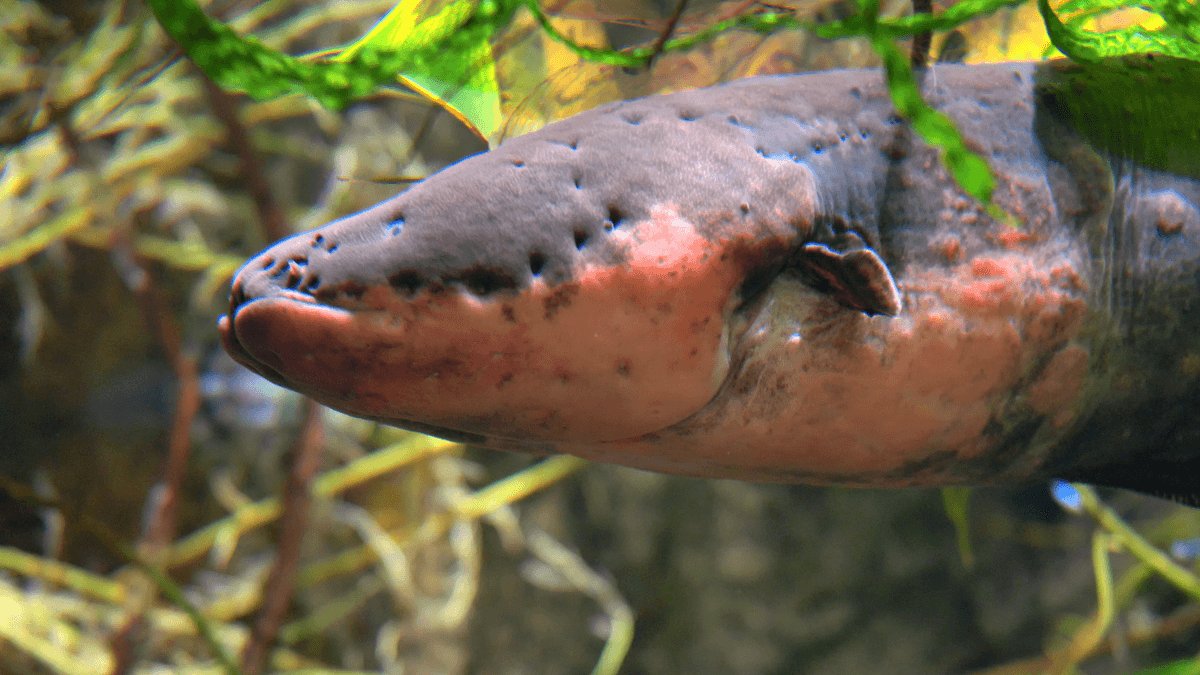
<point x="857" y="279"/>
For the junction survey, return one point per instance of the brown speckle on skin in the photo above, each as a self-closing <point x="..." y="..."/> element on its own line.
<point x="950" y="248"/>
<point x="559" y="299"/>
<point x="1168" y="227"/>
<point x="1174" y="212"/>
<point x="623" y="367"/>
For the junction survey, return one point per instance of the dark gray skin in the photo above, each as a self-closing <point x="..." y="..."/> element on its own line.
<point x="772" y="279"/>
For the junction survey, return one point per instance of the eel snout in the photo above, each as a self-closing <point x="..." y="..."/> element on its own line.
<point x="558" y="300"/>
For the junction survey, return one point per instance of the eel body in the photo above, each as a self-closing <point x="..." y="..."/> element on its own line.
<point x="773" y="279"/>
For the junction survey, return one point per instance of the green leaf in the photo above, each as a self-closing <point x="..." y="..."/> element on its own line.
<point x="956" y="501"/>
<point x="969" y="170"/>
<point x="1088" y="47"/>
<point x="1181" y="16"/>
<point x="1181" y="667"/>
<point x="767" y="22"/>
<point x="451" y="52"/>
<point x="397" y="29"/>
<point x="1153" y="119"/>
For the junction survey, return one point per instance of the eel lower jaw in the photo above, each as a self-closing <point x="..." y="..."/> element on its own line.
<point x="232" y="342"/>
<point x="351" y="360"/>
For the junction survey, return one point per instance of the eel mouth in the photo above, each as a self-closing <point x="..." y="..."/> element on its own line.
<point x="616" y="351"/>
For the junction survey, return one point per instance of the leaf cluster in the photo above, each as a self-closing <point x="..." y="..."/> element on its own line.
<point x="446" y="44"/>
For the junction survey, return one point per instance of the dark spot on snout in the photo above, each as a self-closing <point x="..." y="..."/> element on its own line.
<point x="408" y="281"/>
<point x="855" y="92"/>
<point x="294" y="268"/>
<point x="519" y="163"/>
<point x="537" y="262"/>
<point x="395" y="227"/>
<point x="633" y="118"/>
<point x="581" y="237"/>
<point x="319" y="241"/>
<point x="482" y="280"/>
<point x="733" y="119"/>
<point x="689" y="115"/>
<point x="614" y="218"/>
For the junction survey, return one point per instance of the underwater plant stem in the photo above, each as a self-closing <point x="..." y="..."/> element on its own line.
<point x="329" y="484"/>
<point x="583" y="578"/>
<point x="658" y="45"/>
<point x="277" y="593"/>
<point x="114" y="543"/>
<point x="226" y="109"/>
<point x="519" y="485"/>
<point x="1133" y="542"/>
<point x="1089" y="636"/>
<point x="60" y="573"/>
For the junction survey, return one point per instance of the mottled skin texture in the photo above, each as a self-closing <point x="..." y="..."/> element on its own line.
<point x="770" y="280"/>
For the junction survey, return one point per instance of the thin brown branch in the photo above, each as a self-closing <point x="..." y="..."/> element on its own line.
<point x="277" y="593"/>
<point x="1184" y="619"/>
<point x="160" y="526"/>
<point x="657" y="47"/>
<point x="124" y="643"/>
<point x="426" y="124"/>
<point x="187" y="404"/>
<point x="921" y="42"/>
<point x="224" y="106"/>
<point x="115" y="545"/>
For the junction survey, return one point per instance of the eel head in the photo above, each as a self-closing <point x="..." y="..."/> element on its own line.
<point x="590" y="282"/>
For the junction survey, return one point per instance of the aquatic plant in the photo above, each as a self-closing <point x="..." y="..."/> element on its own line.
<point x="110" y="146"/>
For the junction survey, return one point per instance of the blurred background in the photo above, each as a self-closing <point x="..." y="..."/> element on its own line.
<point x="131" y="188"/>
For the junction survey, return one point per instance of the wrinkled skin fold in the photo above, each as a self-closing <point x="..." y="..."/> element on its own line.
<point x="772" y="279"/>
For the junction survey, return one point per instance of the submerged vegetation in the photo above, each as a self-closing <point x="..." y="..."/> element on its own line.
<point x="132" y="187"/>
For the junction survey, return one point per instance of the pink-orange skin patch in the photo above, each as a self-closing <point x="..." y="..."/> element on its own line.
<point x="951" y="248"/>
<point x="618" y="352"/>
<point x="849" y="399"/>
<point x="1013" y="239"/>
<point x="1054" y="391"/>
<point x="858" y="399"/>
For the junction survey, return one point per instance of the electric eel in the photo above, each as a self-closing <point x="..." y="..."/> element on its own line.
<point x="776" y="279"/>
